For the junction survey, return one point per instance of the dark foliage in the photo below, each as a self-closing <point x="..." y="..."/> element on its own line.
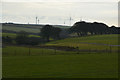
<point x="64" y="33"/>
<point x="34" y="41"/>
<point x="22" y="37"/>
<point x="55" y="34"/>
<point x="7" y="39"/>
<point x="83" y="28"/>
<point x="49" y="31"/>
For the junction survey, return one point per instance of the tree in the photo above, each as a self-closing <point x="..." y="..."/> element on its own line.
<point x="114" y="30"/>
<point x="46" y="32"/>
<point x="22" y="37"/>
<point x="7" y="39"/>
<point x="83" y="28"/>
<point x="65" y="33"/>
<point x="49" y="31"/>
<point x="55" y="33"/>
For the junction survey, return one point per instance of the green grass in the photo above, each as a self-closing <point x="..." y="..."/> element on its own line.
<point x="13" y="35"/>
<point x="82" y="42"/>
<point x="106" y="39"/>
<point x="61" y="66"/>
<point x="17" y="50"/>
<point x="17" y="29"/>
<point x="46" y="63"/>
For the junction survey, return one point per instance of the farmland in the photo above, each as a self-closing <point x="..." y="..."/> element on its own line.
<point x="30" y="28"/>
<point x="59" y="40"/>
<point x="13" y="35"/>
<point x="61" y="66"/>
<point x="98" y="42"/>
<point x="53" y="60"/>
<point x="35" y="62"/>
<point x="17" y="29"/>
<point x="23" y="50"/>
<point x="105" y="39"/>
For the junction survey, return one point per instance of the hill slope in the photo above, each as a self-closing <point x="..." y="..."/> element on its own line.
<point x="31" y="28"/>
<point x="89" y="42"/>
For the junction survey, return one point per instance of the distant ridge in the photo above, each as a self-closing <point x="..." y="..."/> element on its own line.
<point x="26" y="25"/>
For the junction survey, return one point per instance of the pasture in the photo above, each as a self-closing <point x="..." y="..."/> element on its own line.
<point x="35" y="62"/>
<point x="24" y="51"/>
<point x="111" y="39"/>
<point x="96" y="42"/>
<point x="17" y="29"/>
<point x="31" y="28"/>
<point x="13" y="35"/>
<point x="61" y="66"/>
<point x="46" y="63"/>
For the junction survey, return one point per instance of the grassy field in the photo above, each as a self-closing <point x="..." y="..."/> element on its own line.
<point x="61" y="66"/>
<point x="17" y="29"/>
<point x="25" y="62"/>
<point x="28" y="28"/>
<point x="17" y="50"/>
<point x="106" y="39"/>
<point x="13" y="35"/>
<point x="84" y="42"/>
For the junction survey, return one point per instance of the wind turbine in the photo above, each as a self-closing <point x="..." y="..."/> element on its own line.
<point x="64" y="21"/>
<point x="81" y="19"/>
<point x="36" y="19"/>
<point x="70" y="19"/>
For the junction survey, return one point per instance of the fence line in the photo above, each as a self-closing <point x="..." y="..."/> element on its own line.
<point x="55" y="51"/>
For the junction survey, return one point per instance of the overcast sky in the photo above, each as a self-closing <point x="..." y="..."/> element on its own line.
<point x="60" y="12"/>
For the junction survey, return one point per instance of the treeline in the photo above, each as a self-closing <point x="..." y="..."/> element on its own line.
<point x="83" y="29"/>
<point x="23" y="38"/>
<point x="48" y="32"/>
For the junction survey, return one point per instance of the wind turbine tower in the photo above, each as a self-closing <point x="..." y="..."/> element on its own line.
<point x="64" y="22"/>
<point x="36" y="19"/>
<point x="70" y="20"/>
<point x="81" y="20"/>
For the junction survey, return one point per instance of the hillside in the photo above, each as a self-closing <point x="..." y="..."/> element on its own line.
<point x="89" y="42"/>
<point x="31" y="28"/>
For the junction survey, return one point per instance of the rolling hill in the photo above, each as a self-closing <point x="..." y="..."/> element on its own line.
<point x="89" y="42"/>
<point x="30" y="28"/>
